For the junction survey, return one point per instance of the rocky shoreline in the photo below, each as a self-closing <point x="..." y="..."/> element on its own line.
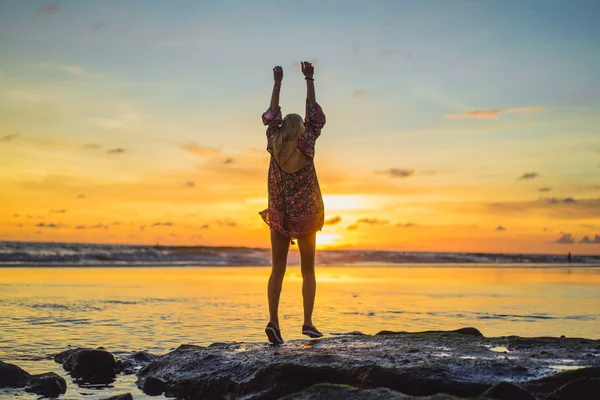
<point x="388" y="365"/>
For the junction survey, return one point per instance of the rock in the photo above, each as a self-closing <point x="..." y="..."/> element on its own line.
<point x="144" y="356"/>
<point x="198" y="372"/>
<point x="353" y="333"/>
<point x="581" y="389"/>
<point x="89" y="365"/>
<point x="343" y="392"/>
<point x="129" y="363"/>
<point x="507" y="391"/>
<point x="463" y="331"/>
<point x="469" y="331"/>
<point x="126" y="366"/>
<point x="126" y="396"/>
<point x="49" y="385"/>
<point x="561" y="380"/>
<point x="152" y="386"/>
<point x="327" y="391"/>
<point x="13" y="376"/>
<point x="438" y="364"/>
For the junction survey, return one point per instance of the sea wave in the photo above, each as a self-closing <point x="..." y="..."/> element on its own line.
<point x="83" y="254"/>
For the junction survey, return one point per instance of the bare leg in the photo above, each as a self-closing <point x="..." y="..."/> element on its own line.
<point x="307" y="244"/>
<point x="279" y="250"/>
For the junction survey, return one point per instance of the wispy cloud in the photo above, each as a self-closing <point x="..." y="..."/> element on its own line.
<point x="226" y="222"/>
<point x="58" y="211"/>
<point x="228" y="161"/>
<point x="6" y="138"/>
<point x="554" y="200"/>
<point x="198" y="150"/>
<point x="359" y="93"/>
<point x="117" y="150"/>
<point x="582" y="210"/>
<point x="500" y="228"/>
<point x="397" y="172"/>
<point x="190" y="184"/>
<point x="78" y="71"/>
<point x="372" y="221"/>
<point x="528" y="175"/>
<point x="493" y="113"/>
<point x="587" y="240"/>
<point x="406" y="225"/>
<point x="48" y="8"/>
<point x="97" y="226"/>
<point x="367" y="221"/>
<point x="544" y="189"/>
<point x="49" y="225"/>
<point x="566" y="238"/>
<point x="162" y="224"/>
<point x="91" y="146"/>
<point x="333" y="221"/>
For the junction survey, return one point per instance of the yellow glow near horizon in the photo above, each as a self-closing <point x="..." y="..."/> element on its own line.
<point x="337" y="202"/>
<point x="326" y="239"/>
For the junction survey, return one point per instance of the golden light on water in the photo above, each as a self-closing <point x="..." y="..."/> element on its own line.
<point x="130" y="308"/>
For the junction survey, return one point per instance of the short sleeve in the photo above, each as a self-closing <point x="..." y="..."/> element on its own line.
<point x="313" y="123"/>
<point x="273" y="121"/>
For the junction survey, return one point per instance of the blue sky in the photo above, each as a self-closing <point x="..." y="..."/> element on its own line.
<point x="469" y="94"/>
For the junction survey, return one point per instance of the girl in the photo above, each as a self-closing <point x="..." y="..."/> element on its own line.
<point x="295" y="203"/>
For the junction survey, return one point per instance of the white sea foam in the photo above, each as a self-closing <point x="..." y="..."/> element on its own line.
<point x="82" y="254"/>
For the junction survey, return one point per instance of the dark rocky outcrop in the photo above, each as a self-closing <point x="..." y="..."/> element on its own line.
<point x="581" y="388"/>
<point x="49" y="385"/>
<point x="507" y="391"/>
<point x="129" y="363"/>
<point x="13" y="376"/>
<point x="394" y="365"/>
<point x="126" y="396"/>
<point x="152" y="386"/>
<point x="89" y="365"/>
<point x="464" y="331"/>
<point x="343" y="392"/>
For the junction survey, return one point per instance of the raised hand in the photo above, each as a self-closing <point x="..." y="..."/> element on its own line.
<point x="278" y="74"/>
<point x="307" y="69"/>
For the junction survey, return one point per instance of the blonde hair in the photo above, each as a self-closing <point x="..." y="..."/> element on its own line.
<point x="291" y="127"/>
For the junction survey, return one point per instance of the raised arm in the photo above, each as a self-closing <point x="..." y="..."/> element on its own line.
<point x="277" y="78"/>
<point x="308" y="70"/>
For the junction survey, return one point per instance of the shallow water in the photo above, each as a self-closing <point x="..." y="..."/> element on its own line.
<point x="45" y="310"/>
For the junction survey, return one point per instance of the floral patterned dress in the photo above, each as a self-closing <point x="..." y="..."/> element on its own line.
<point x="295" y="202"/>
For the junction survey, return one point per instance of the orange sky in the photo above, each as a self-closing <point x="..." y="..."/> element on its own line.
<point x="121" y="125"/>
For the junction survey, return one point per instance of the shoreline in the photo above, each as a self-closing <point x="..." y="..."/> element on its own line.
<point x="424" y="264"/>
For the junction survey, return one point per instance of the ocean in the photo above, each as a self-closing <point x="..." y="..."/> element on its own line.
<point x="47" y="309"/>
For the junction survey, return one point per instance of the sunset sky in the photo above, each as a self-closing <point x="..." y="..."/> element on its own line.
<point x="454" y="125"/>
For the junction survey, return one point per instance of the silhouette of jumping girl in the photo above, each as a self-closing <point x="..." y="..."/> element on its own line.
<point x="295" y="203"/>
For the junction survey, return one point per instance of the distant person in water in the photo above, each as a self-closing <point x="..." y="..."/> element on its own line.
<point x="296" y="209"/>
